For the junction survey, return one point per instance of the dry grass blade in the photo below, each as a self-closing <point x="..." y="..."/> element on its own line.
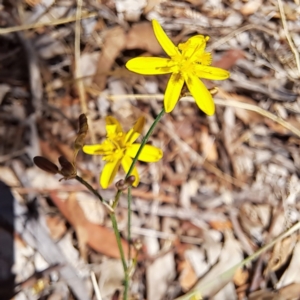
<point x="260" y="111"/>
<point x="222" y="102"/>
<point x="288" y="36"/>
<point x="80" y="84"/>
<point x="230" y="272"/>
<point x="45" y="24"/>
<point x="95" y="286"/>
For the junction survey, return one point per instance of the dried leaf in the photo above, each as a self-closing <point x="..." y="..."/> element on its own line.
<point x="56" y="226"/>
<point x="100" y="239"/>
<point x="251" y="7"/>
<point x="240" y="277"/>
<point x="159" y="274"/>
<point x="187" y="276"/>
<point x="291" y="274"/>
<point x="149" y="44"/>
<point x="291" y="291"/>
<point x="79" y="221"/>
<point x="229" y="59"/>
<point x="114" y="43"/>
<point x="281" y="252"/>
<point x="208" y="146"/>
<point x="231" y="254"/>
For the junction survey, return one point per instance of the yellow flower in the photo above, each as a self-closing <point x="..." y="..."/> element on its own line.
<point x="188" y="62"/>
<point x="119" y="148"/>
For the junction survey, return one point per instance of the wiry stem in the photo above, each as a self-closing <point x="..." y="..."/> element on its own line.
<point x="90" y="188"/>
<point x="115" y="228"/>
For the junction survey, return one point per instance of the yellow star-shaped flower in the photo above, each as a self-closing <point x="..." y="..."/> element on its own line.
<point x="188" y="62"/>
<point x="119" y="148"/>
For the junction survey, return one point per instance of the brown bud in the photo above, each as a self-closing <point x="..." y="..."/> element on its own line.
<point x="124" y="184"/>
<point x="83" y="125"/>
<point x="130" y="180"/>
<point x="120" y="185"/>
<point x="83" y="129"/>
<point x="68" y="170"/>
<point x="45" y="164"/>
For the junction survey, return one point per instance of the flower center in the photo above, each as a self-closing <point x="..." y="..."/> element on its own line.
<point x="183" y="64"/>
<point x="115" y="147"/>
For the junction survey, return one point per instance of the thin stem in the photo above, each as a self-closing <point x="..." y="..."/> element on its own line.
<point x="118" y="237"/>
<point x="116" y="231"/>
<point x="129" y="224"/>
<point x="126" y="285"/>
<point x="90" y="188"/>
<point x="143" y="143"/>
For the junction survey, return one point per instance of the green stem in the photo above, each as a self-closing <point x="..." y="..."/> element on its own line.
<point x="118" y="237"/>
<point x="143" y="143"/>
<point x="116" y="231"/>
<point x="90" y="188"/>
<point x="129" y="224"/>
<point x="125" y="268"/>
<point x="126" y="285"/>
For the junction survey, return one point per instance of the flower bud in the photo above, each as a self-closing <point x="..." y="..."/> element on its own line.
<point x="45" y="164"/>
<point x="130" y="180"/>
<point x="83" y="129"/>
<point x="68" y="170"/>
<point x="83" y="125"/>
<point x="120" y="185"/>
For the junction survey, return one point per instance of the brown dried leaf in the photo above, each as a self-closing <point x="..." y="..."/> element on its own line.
<point x="99" y="238"/>
<point x="187" y="276"/>
<point x="159" y="274"/>
<point x="251" y="7"/>
<point x="33" y="2"/>
<point x="280" y="253"/>
<point x="291" y="274"/>
<point x="277" y="127"/>
<point x="248" y="117"/>
<point x="79" y="221"/>
<point x="56" y="226"/>
<point x="149" y="43"/>
<point x="114" y="43"/>
<point x="291" y="291"/>
<point x="263" y="295"/>
<point x="220" y="225"/>
<point x="208" y="147"/>
<point x="240" y="277"/>
<point x="150" y="5"/>
<point x="231" y="254"/>
<point x="229" y="59"/>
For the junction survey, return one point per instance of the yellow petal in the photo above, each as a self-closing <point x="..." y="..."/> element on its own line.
<point x="173" y="91"/>
<point x="113" y="127"/>
<point x="164" y="40"/>
<point x="126" y="163"/>
<point x="135" y="132"/>
<point x="194" y="45"/>
<point x="204" y="58"/>
<point x="148" y="154"/>
<point x="211" y="73"/>
<point x="150" y="65"/>
<point x="98" y="149"/>
<point x="109" y="172"/>
<point x="200" y="93"/>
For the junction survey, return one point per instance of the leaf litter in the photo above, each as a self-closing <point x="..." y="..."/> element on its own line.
<point x="226" y="186"/>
